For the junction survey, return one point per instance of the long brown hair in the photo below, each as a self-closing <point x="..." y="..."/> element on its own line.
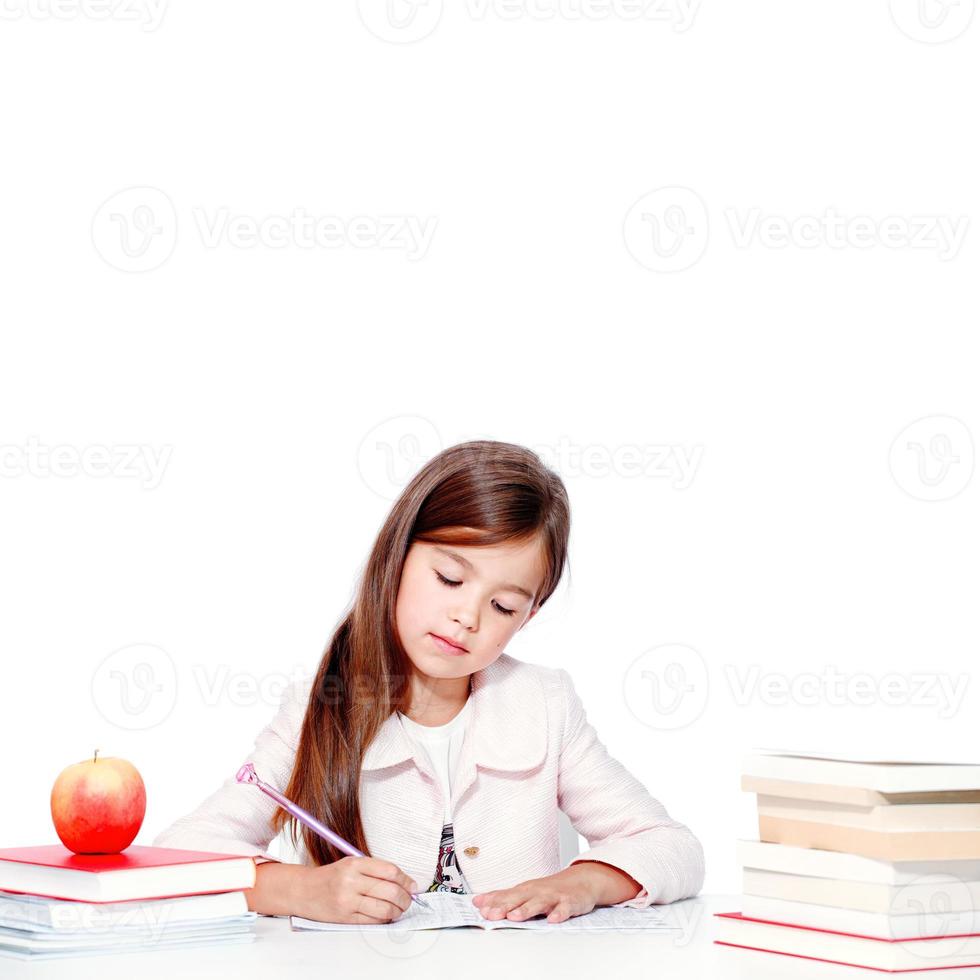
<point x="481" y="492"/>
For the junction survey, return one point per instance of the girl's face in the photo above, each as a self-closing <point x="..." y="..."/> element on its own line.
<point x="477" y="597"/>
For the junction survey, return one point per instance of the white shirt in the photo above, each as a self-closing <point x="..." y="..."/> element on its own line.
<point x="442" y="744"/>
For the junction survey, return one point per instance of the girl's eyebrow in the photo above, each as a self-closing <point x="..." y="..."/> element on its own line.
<point x="469" y="565"/>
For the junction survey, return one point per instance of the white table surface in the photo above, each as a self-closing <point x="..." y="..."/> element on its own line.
<point x="474" y="953"/>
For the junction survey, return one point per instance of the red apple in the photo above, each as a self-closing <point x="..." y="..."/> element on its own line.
<point x="98" y="805"/>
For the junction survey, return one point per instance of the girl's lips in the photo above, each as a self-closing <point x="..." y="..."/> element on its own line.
<point x="446" y="647"/>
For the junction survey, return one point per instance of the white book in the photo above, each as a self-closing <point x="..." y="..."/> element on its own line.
<point x="883" y="925"/>
<point x="853" y="795"/>
<point x="838" y="864"/>
<point x="35" y="913"/>
<point x="176" y="942"/>
<point x="879" y="954"/>
<point x="886" y="818"/>
<point x="11" y="940"/>
<point x="928" y="892"/>
<point x="910" y="757"/>
<point x="881" y="776"/>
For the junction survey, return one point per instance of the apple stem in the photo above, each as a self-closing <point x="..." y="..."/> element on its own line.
<point x="96" y="756"/>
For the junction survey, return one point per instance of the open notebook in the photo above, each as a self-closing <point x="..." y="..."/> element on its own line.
<point x="450" y="910"/>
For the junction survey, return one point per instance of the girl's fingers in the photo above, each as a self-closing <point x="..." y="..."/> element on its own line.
<point x="500" y="901"/>
<point x="559" y="913"/>
<point x="489" y="900"/>
<point x="532" y="907"/>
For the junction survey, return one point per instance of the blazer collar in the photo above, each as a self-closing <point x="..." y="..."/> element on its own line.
<point x="506" y="728"/>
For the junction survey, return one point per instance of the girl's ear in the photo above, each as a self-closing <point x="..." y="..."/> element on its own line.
<point x="533" y="613"/>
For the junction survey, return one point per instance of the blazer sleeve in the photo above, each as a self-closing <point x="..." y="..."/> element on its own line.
<point x="624" y="825"/>
<point x="236" y="818"/>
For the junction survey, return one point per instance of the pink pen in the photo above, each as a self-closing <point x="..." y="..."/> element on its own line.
<point x="247" y="775"/>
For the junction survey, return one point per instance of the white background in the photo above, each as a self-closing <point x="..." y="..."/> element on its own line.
<point x="823" y="391"/>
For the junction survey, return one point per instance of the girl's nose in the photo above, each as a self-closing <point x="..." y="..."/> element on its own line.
<point x="465" y="617"/>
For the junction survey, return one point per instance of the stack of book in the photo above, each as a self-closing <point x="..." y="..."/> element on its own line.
<point x="55" y="903"/>
<point x="872" y="864"/>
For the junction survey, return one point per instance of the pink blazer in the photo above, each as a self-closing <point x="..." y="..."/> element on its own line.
<point x="528" y="751"/>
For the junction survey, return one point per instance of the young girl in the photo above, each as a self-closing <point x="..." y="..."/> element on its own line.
<point x="424" y="744"/>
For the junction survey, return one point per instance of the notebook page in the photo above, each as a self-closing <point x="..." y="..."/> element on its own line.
<point x="450" y="910"/>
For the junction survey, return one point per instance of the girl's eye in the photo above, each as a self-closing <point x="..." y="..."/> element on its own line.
<point x="452" y="584"/>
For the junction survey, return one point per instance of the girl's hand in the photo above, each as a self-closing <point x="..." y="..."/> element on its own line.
<point x="355" y="890"/>
<point x="558" y="896"/>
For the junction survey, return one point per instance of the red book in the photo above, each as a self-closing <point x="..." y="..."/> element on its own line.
<point x="136" y="873"/>
<point x="849" y="949"/>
